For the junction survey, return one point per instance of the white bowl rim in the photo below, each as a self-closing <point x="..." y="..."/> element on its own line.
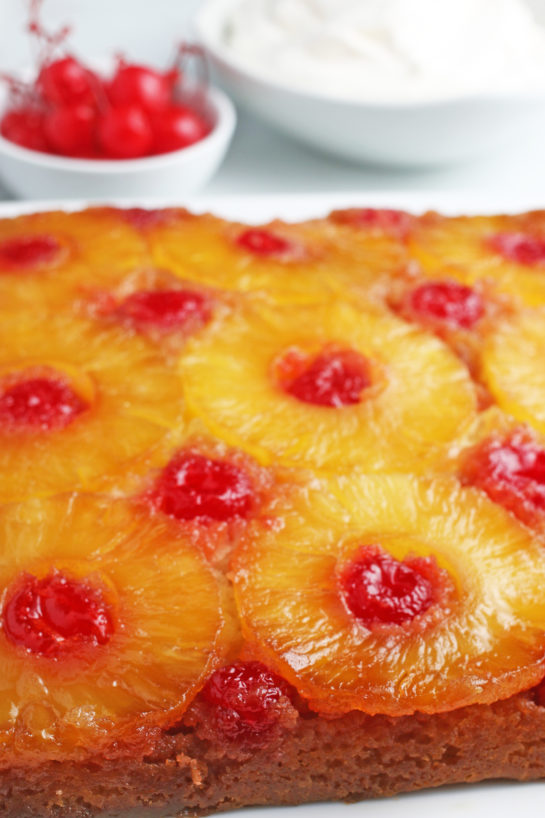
<point x="216" y="9"/>
<point x="224" y="111"/>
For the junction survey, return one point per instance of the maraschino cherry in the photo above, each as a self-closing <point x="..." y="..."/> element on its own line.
<point x="73" y="111"/>
<point x="381" y="590"/>
<point x="55" y="615"/>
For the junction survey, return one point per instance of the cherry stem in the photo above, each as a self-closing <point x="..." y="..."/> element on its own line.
<point x="190" y="62"/>
<point x="48" y="41"/>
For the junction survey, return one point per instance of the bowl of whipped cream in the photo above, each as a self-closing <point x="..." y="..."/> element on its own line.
<point x="393" y="82"/>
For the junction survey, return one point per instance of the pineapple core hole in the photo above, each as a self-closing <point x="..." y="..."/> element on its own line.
<point x="512" y="472"/>
<point x="55" y="614"/>
<point x="333" y="378"/>
<point x="28" y="252"/>
<point x="164" y="310"/>
<point x="448" y="302"/>
<point x="265" y="243"/>
<point x="40" y="398"/>
<point x="195" y="487"/>
<point x="519" y="248"/>
<point x="379" y="589"/>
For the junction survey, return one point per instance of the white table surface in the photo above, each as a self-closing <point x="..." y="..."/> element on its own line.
<point x="261" y="160"/>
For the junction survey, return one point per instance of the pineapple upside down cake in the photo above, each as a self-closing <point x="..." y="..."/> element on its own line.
<point x="272" y="508"/>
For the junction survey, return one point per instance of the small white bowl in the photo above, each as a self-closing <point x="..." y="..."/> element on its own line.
<point x="34" y="175"/>
<point x="412" y="134"/>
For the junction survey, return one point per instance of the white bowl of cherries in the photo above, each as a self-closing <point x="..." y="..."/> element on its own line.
<point x="71" y="131"/>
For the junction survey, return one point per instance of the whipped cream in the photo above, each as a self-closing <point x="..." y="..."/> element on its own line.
<point x="391" y="50"/>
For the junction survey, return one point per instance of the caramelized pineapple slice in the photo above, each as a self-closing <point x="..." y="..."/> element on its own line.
<point x="290" y="263"/>
<point x="370" y="248"/>
<point x="395" y="594"/>
<point x="328" y="386"/>
<point x="507" y="251"/>
<point x="511" y="367"/>
<point x="47" y="258"/>
<point x="110" y="622"/>
<point x="78" y="404"/>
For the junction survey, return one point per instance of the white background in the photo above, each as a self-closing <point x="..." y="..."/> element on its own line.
<point x="260" y="159"/>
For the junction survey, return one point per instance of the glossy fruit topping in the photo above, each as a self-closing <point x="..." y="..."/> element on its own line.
<point x="332" y="378"/>
<point x="25" y="252"/>
<point x="379" y="589"/>
<point x="247" y="699"/>
<point x="110" y="623"/>
<point x="448" y="302"/>
<point x="66" y="82"/>
<point x="177" y="127"/>
<point x="39" y="404"/>
<point x="51" y="616"/>
<point x="409" y="624"/>
<point x="193" y="486"/>
<point x="512" y="472"/>
<point x="263" y="242"/>
<point x="125" y="132"/>
<point x="238" y="371"/>
<point x="164" y="309"/>
<point x="519" y="247"/>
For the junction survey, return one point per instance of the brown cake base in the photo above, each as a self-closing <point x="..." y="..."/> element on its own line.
<point x="349" y="758"/>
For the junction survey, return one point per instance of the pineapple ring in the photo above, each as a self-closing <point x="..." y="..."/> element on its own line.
<point x="98" y="248"/>
<point x="511" y="370"/>
<point x="325" y="256"/>
<point x="156" y="659"/>
<point x="133" y="404"/>
<point x="487" y="644"/>
<point x="367" y="256"/>
<point x="420" y="398"/>
<point x="457" y="248"/>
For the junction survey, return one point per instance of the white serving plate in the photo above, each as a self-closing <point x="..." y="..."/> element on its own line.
<point x="262" y="207"/>
<point x="499" y="799"/>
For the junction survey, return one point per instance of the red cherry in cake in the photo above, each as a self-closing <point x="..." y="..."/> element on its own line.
<point x="334" y="378"/>
<point x="519" y="247"/>
<point x="247" y="700"/>
<point x="39" y="404"/>
<point x="24" y="126"/>
<point x="193" y="486"/>
<point x="395" y="222"/>
<point x="261" y="242"/>
<point x="25" y="252"/>
<point x="124" y="132"/>
<point x="50" y="616"/>
<point x="142" y="218"/>
<point x="512" y="473"/>
<point x="67" y="82"/>
<point x="164" y="309"/>
<point x="379" y="589"/>
<point x="448" y="302"/>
